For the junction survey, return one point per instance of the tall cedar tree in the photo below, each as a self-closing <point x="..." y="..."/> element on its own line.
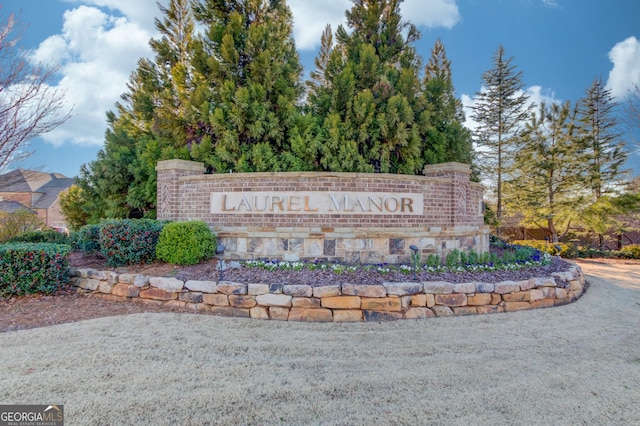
<point x="253" y="74"/>
<point x="149" y="124"/>
<point x="501" y="109"/>
<point x="549" y="171"/>
<point x="607" y="156"/>
<point x="447" y="138"/>
<point x="365" y="93"/>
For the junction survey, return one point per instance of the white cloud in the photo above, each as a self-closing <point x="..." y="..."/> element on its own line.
<point x="96" y="52"/>
<point x="431" y="13"/>
<point x="550" y="3"/>
<point x="538" y="95"/>
<point x="141" y="12"/>
<point x="311" y="17"/>
<point x="626" y="67"/>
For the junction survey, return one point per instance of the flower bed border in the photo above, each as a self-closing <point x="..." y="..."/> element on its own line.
<point x="335" y="303"/>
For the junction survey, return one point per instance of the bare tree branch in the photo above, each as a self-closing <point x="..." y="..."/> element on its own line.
<point x="29" y="106"/>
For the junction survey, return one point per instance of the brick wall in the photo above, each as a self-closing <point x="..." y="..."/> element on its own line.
<point x="450" y="216"/>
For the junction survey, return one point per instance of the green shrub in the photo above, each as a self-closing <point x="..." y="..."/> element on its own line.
<point x="129" y="241"/>
<point x="86" y="239"/>
<point x="555" y="249"/>
<point x="27" y="268"/>
<point x="186" y="243"/>
<point x="452" y="259"/>
<point x="630" y="252"/>
<point x="46" y="236"/>
<point x="433" y="260"/>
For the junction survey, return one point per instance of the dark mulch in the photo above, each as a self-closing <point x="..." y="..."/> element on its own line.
<point x="207" y="271"/>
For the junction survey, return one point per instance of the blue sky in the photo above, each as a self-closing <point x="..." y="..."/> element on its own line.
<point x="561" y="46"/>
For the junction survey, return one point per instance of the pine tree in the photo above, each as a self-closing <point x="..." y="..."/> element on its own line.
<point x="607" y="156"/>
<point x="607" y="153"/>
<point x="253" y="72"/>
<point x="176" y="76"/>
<point x="446" y="137"/>
<point x="318" y="77"/>
<point x="501" y="110"/>
<point x="365" y="91"/>
<point x="548" y="171"/>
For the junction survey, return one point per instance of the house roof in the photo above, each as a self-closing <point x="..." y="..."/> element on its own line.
<point x="21" y="180"/>
<point x="48" y="185"/>
<point x="51" y="190"/>
<point x="12" y="207"/>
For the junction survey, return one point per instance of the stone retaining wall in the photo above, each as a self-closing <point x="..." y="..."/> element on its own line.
<point x="335" y="303"/>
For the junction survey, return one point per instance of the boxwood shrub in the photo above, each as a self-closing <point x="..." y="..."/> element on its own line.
<point x="129" y="241"/>
<point x="186" y="243"/>
<point x="86" y="239"/>
<point x="44" y="236"/>
<point x="27" y="268"/>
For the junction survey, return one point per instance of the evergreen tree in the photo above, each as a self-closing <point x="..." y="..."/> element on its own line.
<point x="105" y="181"/>
<point x="148" y="126"/>
<point x="252" y="71"/>
<point x="606" y="155"/>
<point x="72" y="201"/>
<point x="318" y="77"/>
<point x="448" y="139"/>
<point x="548" y="171"/>
<point x="366" y="93"/>
<point x="501" y="110"/>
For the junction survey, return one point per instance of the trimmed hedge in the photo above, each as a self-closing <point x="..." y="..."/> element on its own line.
<point x="186" y="243"/>
<point x="27" y="268"/>
<point x="86" y="239"/>
<point x="46" y="236"/>
<point x="129" y="241"/>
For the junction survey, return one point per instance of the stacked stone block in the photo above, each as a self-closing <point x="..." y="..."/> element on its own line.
<point x="335" y="303"/>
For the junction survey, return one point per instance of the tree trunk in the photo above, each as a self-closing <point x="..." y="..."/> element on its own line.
<point x="552" y="230"/>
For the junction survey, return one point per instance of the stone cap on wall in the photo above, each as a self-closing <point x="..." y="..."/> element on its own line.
<point x="186" y="165"/>
<point x="452" y="167"/>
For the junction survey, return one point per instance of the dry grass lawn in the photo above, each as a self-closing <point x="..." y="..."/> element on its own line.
<point x="576" y="364"/>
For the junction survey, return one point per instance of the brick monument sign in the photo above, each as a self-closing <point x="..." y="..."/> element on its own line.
<point x="348" y="217"/>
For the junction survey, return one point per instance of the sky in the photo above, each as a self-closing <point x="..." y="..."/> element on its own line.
<point x="561" y="47"/>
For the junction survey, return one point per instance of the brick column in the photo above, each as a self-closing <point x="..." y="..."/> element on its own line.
<point x="459" y="175"/>
<point x="168" y="185"/>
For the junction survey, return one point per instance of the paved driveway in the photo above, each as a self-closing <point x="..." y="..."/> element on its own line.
<point x="618" y="274"/>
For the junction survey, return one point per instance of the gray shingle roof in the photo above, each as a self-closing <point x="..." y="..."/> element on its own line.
<point x="51" y="190"/>
<point x="12" y="207"/>
<point x="49" y="185"/>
